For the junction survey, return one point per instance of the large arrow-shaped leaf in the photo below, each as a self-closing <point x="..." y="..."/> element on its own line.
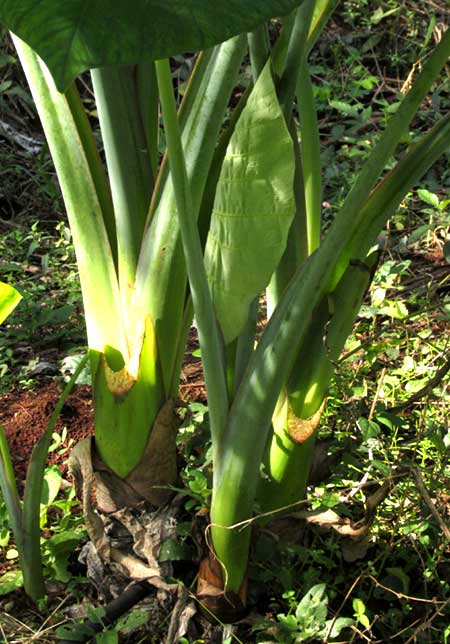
<point x="75" y="35"/>
<point x="253" y="208"/>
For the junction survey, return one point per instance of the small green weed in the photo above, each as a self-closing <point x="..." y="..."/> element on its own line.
<point x="306" y="620"/>
<point x="109" y="634"/>
<point x="195" y="441"/>
<point x="42" y="267"/>
<point x="62" y="529"/>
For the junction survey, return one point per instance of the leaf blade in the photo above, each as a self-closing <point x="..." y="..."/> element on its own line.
<point x="253" y="208"/>
<point x="74" y="36"/>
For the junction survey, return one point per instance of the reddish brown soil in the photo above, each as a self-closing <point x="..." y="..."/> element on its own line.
<point x="25" y="414"/>
<point x="192" y="384"/>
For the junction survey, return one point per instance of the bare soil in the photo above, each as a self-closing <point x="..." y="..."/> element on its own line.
<point x="25" y="415"/>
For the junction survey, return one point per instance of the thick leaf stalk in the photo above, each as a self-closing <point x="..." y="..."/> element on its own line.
<point x="127" y="399"/>
<point x="201" y="297"/>
<point x="236" y="477"/>
<point x="296" y="419"/>
<point x="310" y="156"/>
<point x="161" y="263"/>
<point x="89" y="215"/>
<point x="128" y="160"/>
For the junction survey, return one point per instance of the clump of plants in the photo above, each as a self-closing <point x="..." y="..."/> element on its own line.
<point x="232" y="210"/>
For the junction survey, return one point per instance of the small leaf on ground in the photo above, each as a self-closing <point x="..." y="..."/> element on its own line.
<point x="10" y="581"/>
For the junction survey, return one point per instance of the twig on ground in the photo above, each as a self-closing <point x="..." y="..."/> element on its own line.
<point x="349" y="592"/>
<point x="427" y="622"/>
<point x="436" y="602"/>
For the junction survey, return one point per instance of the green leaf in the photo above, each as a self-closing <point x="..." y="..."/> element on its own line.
<point x="429" y="197"/>
<point x="313" y="599"/>
<point x="253" y="208"/>
<point x="132" y="620"/>
<point x="57" y="551"/>
<point x="5" y="536"/>
<point x="345" y="108"/>
<point x="9" y="299"/>
<point x="52" y="483"/>
<point x="10" y="581"/>
<point x="64" y="542"/>
<point x="359" y="607"/>
<point x="173" y="550"/>
<point x="107" y="637"/>
<point x="339" y="625"/>
<point x="288" y="621"/>
<point x="360" y="612"/>
<point x="82" y="34"/>
<point x="74" y="633"/>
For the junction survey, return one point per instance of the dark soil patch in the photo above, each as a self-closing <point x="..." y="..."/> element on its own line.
<point x="192" y="384"/>
<point x="25" y="415"/>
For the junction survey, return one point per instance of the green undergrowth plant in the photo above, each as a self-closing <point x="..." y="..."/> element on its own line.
<point x="109" y="634"/>
<point x="40" y="261"/>
<point x="63" y="532"/>
<point x="28" y="518"/>
<point x="306" y="620"/>
<point x="233" y="209"/>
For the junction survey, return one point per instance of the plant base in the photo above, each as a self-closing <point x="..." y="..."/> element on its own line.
<point x="216" y="602"/>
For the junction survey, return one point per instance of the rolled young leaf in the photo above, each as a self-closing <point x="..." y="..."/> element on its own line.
<point x="74" y="36"/>
<point x="253" y="208"/>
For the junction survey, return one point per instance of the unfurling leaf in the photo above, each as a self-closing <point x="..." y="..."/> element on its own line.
<point x="253" y="208"/>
